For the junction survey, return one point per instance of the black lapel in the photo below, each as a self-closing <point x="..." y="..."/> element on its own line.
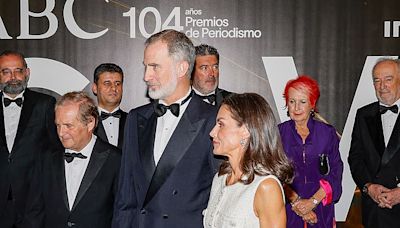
<point x="121" y="129"/>
<point x="100" y="131"/>
<point x="97" y="159"/>
<point x="146" y="135"/>
<point x="393" y="144"/>
<point x="218" y="97"/>
<point x="26" y="112"/>
<point x="376" y="131"/>
<point x="180" y="141"/>
<point x="3" y="140"/>
<point x="59" y="169"/>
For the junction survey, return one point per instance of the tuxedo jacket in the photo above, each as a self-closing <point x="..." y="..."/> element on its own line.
<point x="175" y="192"/>
<point x="371" y="161"/>
<point x="101" y="132"/>
<point x="36" y="131"/>
<point x="220" y="94"/>
<point x="93" y="205"/>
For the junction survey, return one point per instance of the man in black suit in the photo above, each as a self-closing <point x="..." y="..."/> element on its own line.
<point x="167" y="165"/>
<point x="205" y="76"/>
<point x="79" y="180"/>
<point x="108" y="87"/>
<point x="26" y="130"/>
<point x="374" y="155"/>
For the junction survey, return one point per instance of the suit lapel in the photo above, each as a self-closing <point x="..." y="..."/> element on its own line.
<point x="26" y="113"/>
<point x="147" y="124"/>
<point x="97" y="160"/>
<point x="393" y="144"/>
<point x="180" y="141"/>
<point x="376" y="131"/>
<point x="3" y="139"/>
<point x="59" y="169"/>
<point x="121" y="129"/>
<point x="101" y="132"/>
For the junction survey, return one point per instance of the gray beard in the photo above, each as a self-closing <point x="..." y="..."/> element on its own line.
<point x="15" y="88"/>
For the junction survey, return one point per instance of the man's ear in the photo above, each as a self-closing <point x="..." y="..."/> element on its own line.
<point x="94" y="89"/>
<point x="183" y="67"/>
<point x="92" y="124"/>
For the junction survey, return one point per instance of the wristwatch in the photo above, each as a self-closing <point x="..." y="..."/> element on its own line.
<point x="365" y="188"/>
<point x="314" y="201"/>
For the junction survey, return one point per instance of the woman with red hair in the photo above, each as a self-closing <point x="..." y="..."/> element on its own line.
<point x="313" y="148"/>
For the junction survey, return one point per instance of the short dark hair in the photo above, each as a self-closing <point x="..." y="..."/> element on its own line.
<point x="107" y="67"/>
<point x="87" y="106"/>
<point x="180" y="47"/>
<point x="205" y="49"/>
<point x="16" y="53"/>
<point x="264" y="152"/>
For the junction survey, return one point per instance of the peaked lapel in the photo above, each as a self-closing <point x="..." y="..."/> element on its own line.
<point x="101" y="132"/>
<point x="121" y="128"/>
<point x="3" y="140"/>
<point x="97" y="160"/>
<point x="26" y="112"/>
<point x="375" y="130"/>
<point x="180" y="141"/>
<point x="393" y="144"/>
<point x="147" y="123"/>
<point x="57" y="162"/>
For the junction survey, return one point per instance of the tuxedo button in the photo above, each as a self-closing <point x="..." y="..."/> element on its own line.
<point x="70" y="224"/>
<point x="174" y="192"/>
<point x="143" y="211"/>
<point x="165" y="216"/>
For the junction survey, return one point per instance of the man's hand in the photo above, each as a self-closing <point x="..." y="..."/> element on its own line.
<point x="389" y="198"/>
<point x="375" y="190"/>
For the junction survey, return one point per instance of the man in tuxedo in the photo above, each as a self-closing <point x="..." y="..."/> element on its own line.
<point x="205" y="76"/>
<point x="108" y="87"/>
<point x="26" y="130"/>
<point x="374" y="155"/>
<point x="79" y="180"/>
<point x="167" y="164"/>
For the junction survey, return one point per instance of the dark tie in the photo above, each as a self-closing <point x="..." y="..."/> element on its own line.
<point x="210" y="98"/>
<point x="161" y="109"/>
<point x="69" y="157"/>
<point x="384" y="109"/>
<point x="105" y="115"/>
<point x="17" y="101"/>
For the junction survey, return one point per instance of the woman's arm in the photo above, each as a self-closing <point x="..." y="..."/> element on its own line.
<point x="269" y="205"/>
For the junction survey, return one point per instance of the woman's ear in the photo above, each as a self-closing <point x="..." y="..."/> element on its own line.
<point x="245" y="132"/>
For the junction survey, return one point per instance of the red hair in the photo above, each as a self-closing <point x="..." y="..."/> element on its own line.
<point x="303" y="83"/>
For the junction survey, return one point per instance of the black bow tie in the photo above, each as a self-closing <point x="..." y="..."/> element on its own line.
<point x="384" y="109"/>
<point x="69" y="157"/>
<point x="17" y="101"/>
<point x="105" y="115"/>
<point x="161" y="109"/>
<point x="210" y="98"/>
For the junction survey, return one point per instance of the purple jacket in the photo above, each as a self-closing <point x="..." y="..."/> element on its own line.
<point x="321" y="140"/>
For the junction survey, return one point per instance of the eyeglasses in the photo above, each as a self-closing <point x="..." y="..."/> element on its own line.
<point x="8" y="72"/>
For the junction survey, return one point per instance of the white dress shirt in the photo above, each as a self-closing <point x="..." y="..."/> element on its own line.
<point x="12" y="114"/>
<point x="388" y="121"/>
<point x="111" y="127"/>
<point x="75" y="170"/>
<point x="166" y="125"/>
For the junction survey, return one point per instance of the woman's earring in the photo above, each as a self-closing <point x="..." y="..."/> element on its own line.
<point x="242" y="142"/>
<point x="312" y="112"/>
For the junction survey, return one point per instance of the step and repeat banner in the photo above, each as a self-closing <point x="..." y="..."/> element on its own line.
<point x="262" y="44"/>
